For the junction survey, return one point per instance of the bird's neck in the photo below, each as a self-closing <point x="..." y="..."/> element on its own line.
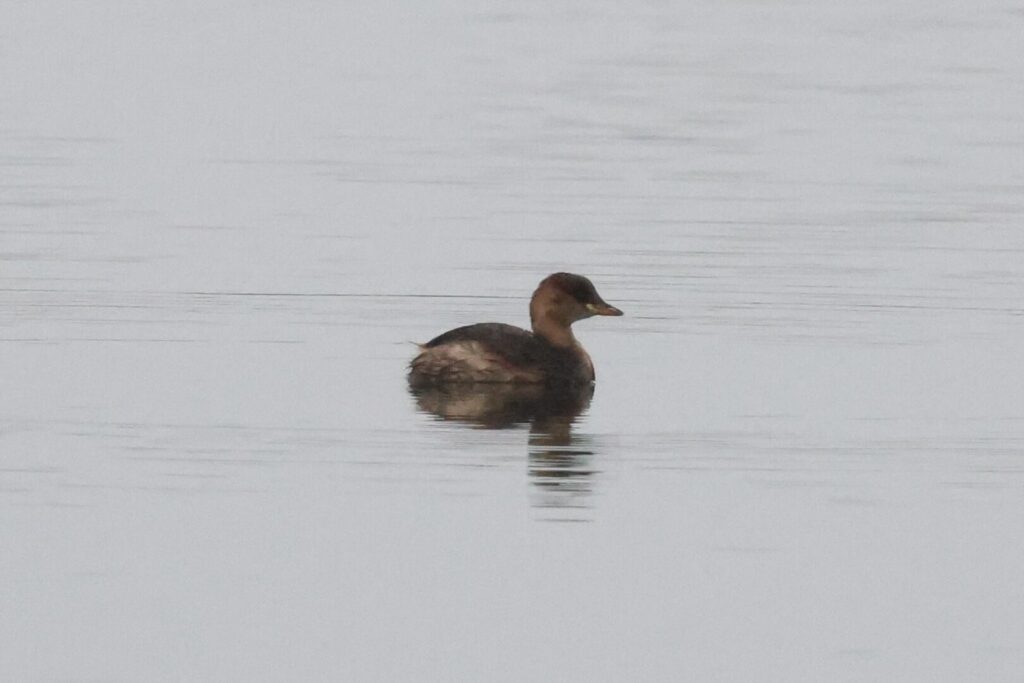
<point x="556" y="332"/>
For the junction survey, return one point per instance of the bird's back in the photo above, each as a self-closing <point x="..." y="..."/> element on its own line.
<point x="494" y="352"/>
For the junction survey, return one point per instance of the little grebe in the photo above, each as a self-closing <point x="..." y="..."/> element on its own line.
<point x="495" y="352"/>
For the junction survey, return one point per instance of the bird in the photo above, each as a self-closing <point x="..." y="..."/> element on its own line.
<point x="548" y="355"/>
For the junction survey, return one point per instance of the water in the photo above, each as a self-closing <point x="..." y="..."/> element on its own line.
<point x="222" y="226"/>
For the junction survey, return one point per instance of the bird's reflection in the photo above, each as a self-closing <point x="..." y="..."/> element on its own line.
<point x="559" y="460"/>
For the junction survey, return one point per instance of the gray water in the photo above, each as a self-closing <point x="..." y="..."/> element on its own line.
<point x="222" y="225"/>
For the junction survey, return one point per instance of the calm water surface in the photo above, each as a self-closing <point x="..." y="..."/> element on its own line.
<point x="221" y="228"/>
